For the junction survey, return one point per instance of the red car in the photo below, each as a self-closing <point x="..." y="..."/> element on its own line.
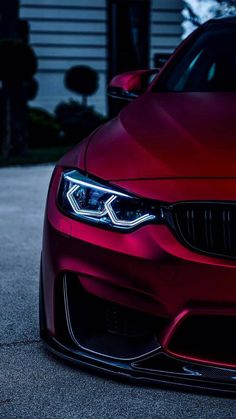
<point x="138" y="273"/>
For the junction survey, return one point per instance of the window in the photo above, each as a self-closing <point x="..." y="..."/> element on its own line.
<point x="208" y="65"/>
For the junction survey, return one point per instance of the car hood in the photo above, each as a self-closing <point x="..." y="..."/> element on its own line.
<point x="167" y="135"/>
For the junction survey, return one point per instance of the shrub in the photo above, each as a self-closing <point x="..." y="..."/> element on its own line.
<point x="18" y="61"/>
<point x="18" y="65"/>
<point x="77" y="121"/>
<point x="82" y="80"/>
<point x="31" y="89"/>
<point x="43" y="129"/>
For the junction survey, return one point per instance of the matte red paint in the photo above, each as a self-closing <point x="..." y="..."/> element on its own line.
<point x="168" y="135"/>
<point x="166" y="146"/>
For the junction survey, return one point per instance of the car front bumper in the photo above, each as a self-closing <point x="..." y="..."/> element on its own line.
<point x="150" y="286"/>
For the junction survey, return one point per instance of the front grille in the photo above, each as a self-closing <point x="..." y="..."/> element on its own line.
<point x="209" y="227"/>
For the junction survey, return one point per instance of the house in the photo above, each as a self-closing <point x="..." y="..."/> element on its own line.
<point x="70" y="32"/>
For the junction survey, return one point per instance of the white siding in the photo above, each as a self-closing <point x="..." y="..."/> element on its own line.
<point x="62" y="26"/>
<point x="40" y="39"/>
<point x="68" y="13"/>
<point x="69" y="32"/>
<point x="66" y="33"/>
<point x="62" y="64"/>
<point x="166" y="26"/>
<point x="52" y="91"/>
<point x="64" y="3"/>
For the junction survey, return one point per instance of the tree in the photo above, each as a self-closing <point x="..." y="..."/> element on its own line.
<point x="82" y="80"/>
<point x="197" y="12"/>
<point x="18" y="65"/>
<point x="31" y="89"/>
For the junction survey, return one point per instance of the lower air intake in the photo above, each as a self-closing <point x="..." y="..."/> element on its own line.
<point x="209" y="338"/>
<point x="108" y="329"/>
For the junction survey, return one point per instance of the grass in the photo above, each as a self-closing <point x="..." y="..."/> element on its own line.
<point x="36" y="156"/>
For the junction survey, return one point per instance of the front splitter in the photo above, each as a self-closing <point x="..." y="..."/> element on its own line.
<point x="160" y="369"/>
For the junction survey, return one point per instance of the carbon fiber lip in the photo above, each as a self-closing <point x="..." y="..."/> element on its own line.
<point x="168" y="371"/>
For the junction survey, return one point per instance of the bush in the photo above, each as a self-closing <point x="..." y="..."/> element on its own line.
<point x="77" y="121"/>
<point x="43" y="129"/>
<point x="31" y="89"/>
<point x="18" y="60"/>
<point x="18" y="65"/>
<point x="82" y="80"/>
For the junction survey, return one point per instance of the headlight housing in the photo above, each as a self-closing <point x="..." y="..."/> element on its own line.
<point x="88" y="200"/>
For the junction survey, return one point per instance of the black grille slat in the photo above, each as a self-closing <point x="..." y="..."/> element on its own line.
<point x="227" y="229"/>
<point x="191" y="226"/>
<point x="208" y="227"/>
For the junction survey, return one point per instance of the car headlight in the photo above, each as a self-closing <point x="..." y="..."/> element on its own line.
<point x="88" y="200"/>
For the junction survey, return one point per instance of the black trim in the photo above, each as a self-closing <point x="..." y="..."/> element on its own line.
<point x="173" y="224"/>
<point x="169" y="371"/>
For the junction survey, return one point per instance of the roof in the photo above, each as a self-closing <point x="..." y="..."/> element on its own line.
<point x="220" y="20"/>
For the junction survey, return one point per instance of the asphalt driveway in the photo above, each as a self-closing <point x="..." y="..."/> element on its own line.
<point x="33" y="383"/>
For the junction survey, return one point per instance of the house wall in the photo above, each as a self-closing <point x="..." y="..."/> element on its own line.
<point x="70" y="32"/>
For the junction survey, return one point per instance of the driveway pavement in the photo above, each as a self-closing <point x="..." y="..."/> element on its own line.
<point x="33" y="383"/>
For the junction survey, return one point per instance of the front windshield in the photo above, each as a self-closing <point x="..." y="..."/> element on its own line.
<point x="209" y="65"/>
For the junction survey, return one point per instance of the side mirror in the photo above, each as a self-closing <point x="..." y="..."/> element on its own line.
<point x="130" y="85"/>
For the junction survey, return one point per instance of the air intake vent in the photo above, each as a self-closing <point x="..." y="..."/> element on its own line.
<point x="207" y="338"/>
